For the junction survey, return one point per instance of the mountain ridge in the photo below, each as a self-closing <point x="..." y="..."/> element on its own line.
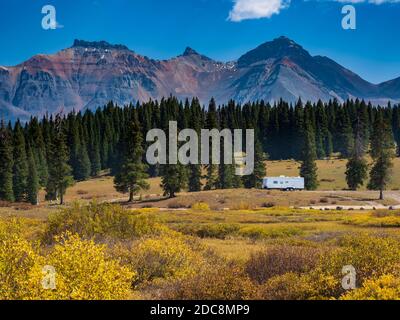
<point x="90" y="73"/>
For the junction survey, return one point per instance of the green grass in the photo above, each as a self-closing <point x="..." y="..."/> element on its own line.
<point x="331" y="173"/>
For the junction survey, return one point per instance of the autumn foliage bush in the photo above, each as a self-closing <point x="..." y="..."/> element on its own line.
<point x="371" y="256"/>
<point x="217" y="231"/>
<point x="83" y="271"/>
<point x="222" y="281"/>
<point x="288" y="286"/>
<point x="200" y="206"/>
<point x="101" y="221"/>
<point x="386" y="287"/>
<point x="279" y="260"/>
<point x="165" y="257"/>
<point x="20" y="265"/>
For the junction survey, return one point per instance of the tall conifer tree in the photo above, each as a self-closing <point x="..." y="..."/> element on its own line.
<point x="60" y="173"/>
<point x="212" y="169"/>
<point x="357" y="166"/>
<point x="20" y="170"/>
<point x="308" y="168"/>
<point x="132" y="176"/>
<point x="33" y="179"/>
<point x="194" y="181"/>
<point x="255" y="180"/>
<point x="382" y="153"/>
<point x="6" y="164"/>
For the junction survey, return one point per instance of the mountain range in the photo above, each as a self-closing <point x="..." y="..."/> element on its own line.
<point x="90" y="74"/>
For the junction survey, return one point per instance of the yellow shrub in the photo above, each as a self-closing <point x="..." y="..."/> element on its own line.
<point x="84" y="272"/>
<point x="321" y="285"/>
<point x="386" y="287"/>
<point x="200" y="206"/>
<point x="256" y="232"/>
<point x="242" y="206"/>
<point x="101" y="220"/>
<point x="208" y="230"/>
<point x="289" y="286"/>
<point x="379" y="219"/>
<point x="371" y="257"/>
<point x="20" y="266"/>
<point x="165" y="257"/>
<point x="82" y="269"/>
<point x="214" y="282"/>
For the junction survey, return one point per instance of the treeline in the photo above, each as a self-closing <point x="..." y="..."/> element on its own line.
<point x="53" y="152"/>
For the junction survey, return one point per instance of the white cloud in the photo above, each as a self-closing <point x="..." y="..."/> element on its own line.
<point x="256" y="9"/>
<point x="377" y="2"/>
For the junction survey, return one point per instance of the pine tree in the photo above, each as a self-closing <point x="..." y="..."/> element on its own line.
<point x="225" y="171"/>
<point x="345" y="139"/>
<point x="173" y="179"/>
<point x="194" y="180"/>
<point x="79" y="158"/>
<point x="132" y="176"/>
<point x="83" y="166"/>
<point x="212" y="169"/>
<point x="195" y="174"/>
<point x="382" y="153"/>
<point x="38" y="145"/>
<point x="95" y="160"/>
<point x="322" y="133"/>
<point x="33" y="179"/>
<point x="106" y="145"/>
<point x="255" y="180"/>
<point x="364" y="124"/>
<point x="297" y="128"/>
<point x="308" y="168"/>
<point x="20" y="170"/>
<point x="6" y="165"/>
<point x="60" y="177"/>
<point x="93" y="144"/>
<point x="357" y="166"/>
<point x="356" y="172"/>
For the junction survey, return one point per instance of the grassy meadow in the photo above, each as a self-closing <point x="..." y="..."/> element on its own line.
<point x="259" y="244"/>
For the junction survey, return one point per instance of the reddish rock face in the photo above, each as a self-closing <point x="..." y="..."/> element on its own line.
<point x="90" y="74"/>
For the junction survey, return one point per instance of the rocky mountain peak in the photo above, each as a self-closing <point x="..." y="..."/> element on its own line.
<point x="281" y="47"/>
<point x="98" y="45"/>
<point x="190" y="52"/>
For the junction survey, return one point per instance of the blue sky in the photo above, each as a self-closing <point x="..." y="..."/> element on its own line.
<point x="163" y="28"/>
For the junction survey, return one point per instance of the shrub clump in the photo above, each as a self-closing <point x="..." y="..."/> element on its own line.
<point x="20" y="265"/>
<point x="101" y="220"/>
<point x="216" y="231"/>
<point x="166" y="257"/>
<point x="82" y="270"/>
<point x="279" y="260"/>
<point x="200" y="206"/>
<point x="85" y="273"/>
<point x="288" y="286"/>
<point x="372" y="257"/>
<point x="259" y="233"/>
<point x="215" y="282"/>
<point x="386" y="287"/>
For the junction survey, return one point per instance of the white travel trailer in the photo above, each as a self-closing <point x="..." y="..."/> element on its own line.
<point x="283" y="183"/>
